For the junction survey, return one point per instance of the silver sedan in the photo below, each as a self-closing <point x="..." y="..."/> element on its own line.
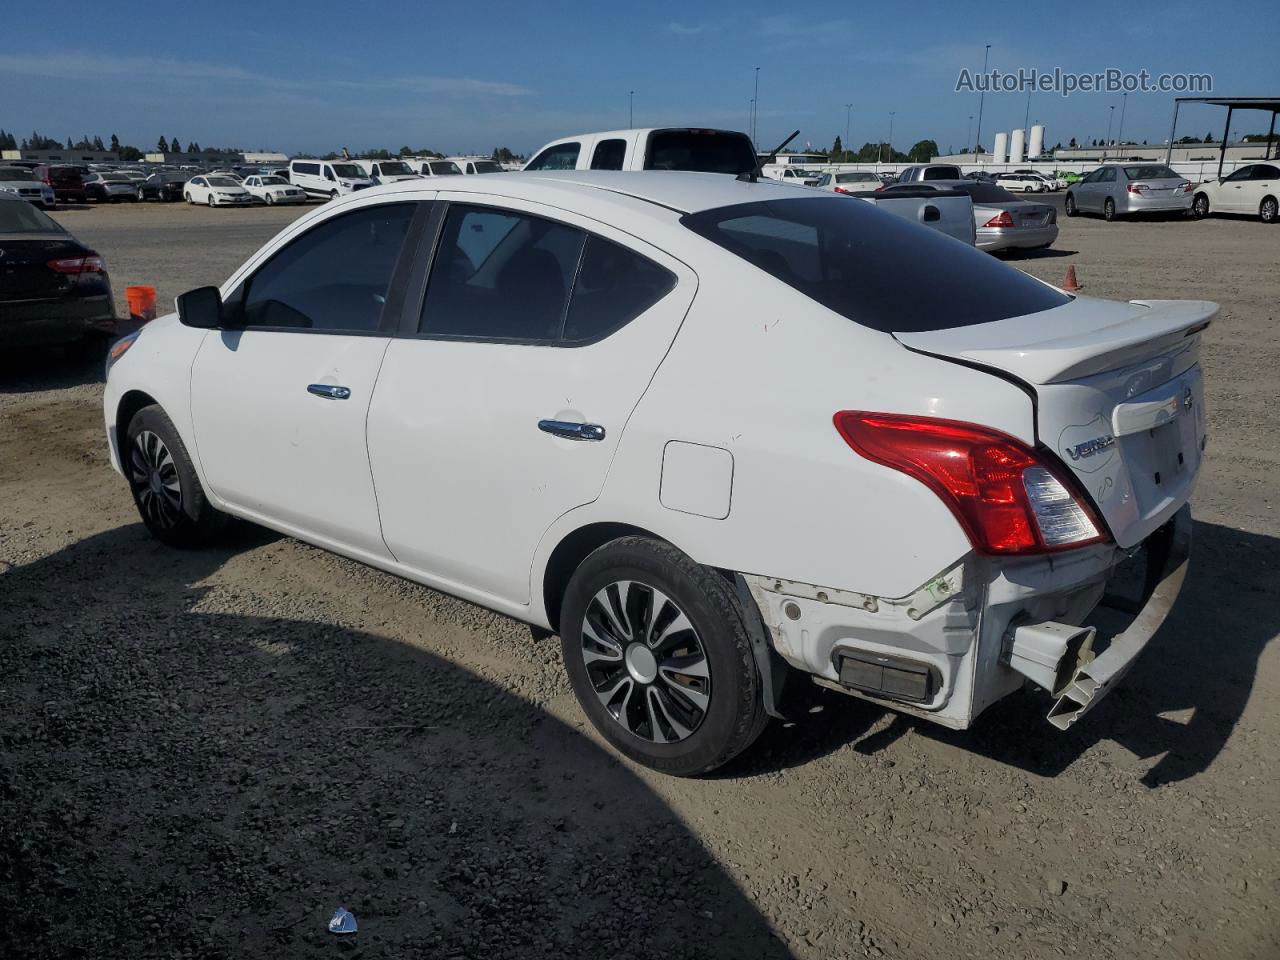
<point x="1118" y="189"/>
<point x="1002" y="221"/>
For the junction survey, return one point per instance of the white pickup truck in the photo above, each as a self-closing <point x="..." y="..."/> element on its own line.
<point x="694" y="149"/>
<point x="947" y="211"/>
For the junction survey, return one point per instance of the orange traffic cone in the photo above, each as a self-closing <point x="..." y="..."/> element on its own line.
<point x="1071" y="285"/>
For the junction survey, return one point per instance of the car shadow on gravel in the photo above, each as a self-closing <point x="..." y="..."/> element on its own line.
<point x="176" y="782"/>
<point x="31" y="369"/>
<point x="1016" y="256"/>
<point x="1178" y="705"/>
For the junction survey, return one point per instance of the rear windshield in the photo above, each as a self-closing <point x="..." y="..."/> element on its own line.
<point x="222" y="182"/>
<point x="18" y="216"/>
<point x="874" y="268"/>
<point x="16" y="173"/>
<point x="941" y="173"/>
<point x="702" y="151"/>
<point x="1154" y="172"/>
<point x="857" y="178"/>
<point x="986" y="192"/>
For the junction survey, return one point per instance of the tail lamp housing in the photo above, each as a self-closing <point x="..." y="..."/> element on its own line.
<point x="1008" y="498"/>
<point x="1001" y="219"/>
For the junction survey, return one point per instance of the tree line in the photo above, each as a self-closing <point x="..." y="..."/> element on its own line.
<point x="38" y="141"/>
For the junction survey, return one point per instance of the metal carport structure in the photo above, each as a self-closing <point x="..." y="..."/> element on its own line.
<point x="1268" y="104"/>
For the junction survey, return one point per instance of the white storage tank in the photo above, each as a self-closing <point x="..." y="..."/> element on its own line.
<point x="1036" y="146"/>
<point x="1015" y="146"/>
<point x="1000" y="149"/>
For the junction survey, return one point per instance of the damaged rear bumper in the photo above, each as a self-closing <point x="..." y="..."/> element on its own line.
<point x="977" y="631"/>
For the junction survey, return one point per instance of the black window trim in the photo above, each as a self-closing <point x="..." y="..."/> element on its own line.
<point x="396" y="291"/>
<point x="416" y="295"/>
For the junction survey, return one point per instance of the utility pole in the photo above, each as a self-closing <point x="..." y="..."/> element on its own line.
<point x="1110" y="116"/>
<point x="982" y="98"/>
<point x="847" y="108"/>
<point x="891" y="136"/>
<point x="755" y="106"/>
<point x="631" y="110"/>
<point x="1026" y="121"/>
<point x="1124" y="102"/>
<point x="968" y="132"/>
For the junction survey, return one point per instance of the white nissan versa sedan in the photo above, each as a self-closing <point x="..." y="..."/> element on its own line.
<point x="717" y="434"/>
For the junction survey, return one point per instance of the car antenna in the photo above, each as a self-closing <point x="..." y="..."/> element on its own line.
<point x="753" y="175"/>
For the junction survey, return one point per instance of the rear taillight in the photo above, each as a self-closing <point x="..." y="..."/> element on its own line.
<point x="77" y="265"/>
<point x="1186" y="187"/>
<point x="841" y="190"/>
<point x="1008" y="498"/>
<point x="1001" y="219"/>
<point x="1137" y="188"/>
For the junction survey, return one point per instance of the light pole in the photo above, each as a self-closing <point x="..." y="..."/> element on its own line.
<point x="891" y="136"/>
<point x="847" y="108"/>
<point x="1110" y="116"/>
<point x="968" y="132"/>
<point x="1026" y="120"/>
<point x="982" y="98"/>
<point x="1124" y="102"/>
<point x="755" y="107"/>
<point x="631" y="110"/>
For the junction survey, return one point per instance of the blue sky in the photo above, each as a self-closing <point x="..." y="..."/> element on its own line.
<point x="469" y="76"/>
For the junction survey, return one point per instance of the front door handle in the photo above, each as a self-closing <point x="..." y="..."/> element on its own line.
<point x="328" y="391"/>
<point x="572" y="431"/>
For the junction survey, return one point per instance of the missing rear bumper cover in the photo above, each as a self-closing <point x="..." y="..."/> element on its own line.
<point x="889" y="677"/>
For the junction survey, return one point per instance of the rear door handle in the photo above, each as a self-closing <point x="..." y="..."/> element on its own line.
<point x="328" y="391"/>
<point x="572" y="431"/>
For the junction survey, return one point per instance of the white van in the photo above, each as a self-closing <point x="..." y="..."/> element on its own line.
<point x="651" y="148"/>
<point x="328" y="179"/>
<point x="433" y="167"/>
<point x="474" y="165"/>
<point x="386" y="171"/>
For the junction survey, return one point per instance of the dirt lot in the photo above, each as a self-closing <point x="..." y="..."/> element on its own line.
<point x="203" y="754"/>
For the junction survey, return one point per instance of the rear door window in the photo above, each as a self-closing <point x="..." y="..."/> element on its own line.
<point x="561" y="156"/>
<point x="500" y="275"/>
<point x="1264" y="171"/>
<point x="848" y="257"/>
<point x="335" y="277"/>
<point x="609" y="155"/>
<point x="614" y="286"/>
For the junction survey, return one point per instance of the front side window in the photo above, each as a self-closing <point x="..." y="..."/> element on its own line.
<point x="500" y="275"/>
<point x="609" y="155"/>
<point x="334" y="277"/>
<point x="848" y="257"/>
<point x="562" y="156"/>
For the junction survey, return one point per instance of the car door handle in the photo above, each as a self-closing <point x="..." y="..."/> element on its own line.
<point x="572" y="431"/>
<point x="328" y="391"/>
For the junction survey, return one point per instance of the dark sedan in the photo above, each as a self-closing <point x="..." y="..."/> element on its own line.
<point x="163" y="186"/>
<point x="67" y="180"/>
<point x="53" y="289"/>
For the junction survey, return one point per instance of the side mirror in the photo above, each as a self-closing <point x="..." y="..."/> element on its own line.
<point x="201" y="308"/>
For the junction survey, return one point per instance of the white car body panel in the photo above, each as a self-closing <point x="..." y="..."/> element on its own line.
<point x="436" y="468"/>
<point x="1237" y="195"/>
<point x="278" y="192"/>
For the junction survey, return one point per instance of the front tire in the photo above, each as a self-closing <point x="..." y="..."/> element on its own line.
<point x="1109" y="210"/>
<point x="271" y="200"/>
<point x="333" y="195"/>
<point x="164" y="484"/>
<point x="658" y="655"/>
<point x="1200" y="206"/>
<point x="209" y="200"/>
<point x="1071" y="206"/>
<point x="1268" y="211"/>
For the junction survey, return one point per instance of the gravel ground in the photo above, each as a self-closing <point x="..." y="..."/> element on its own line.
<point x="203" y="754"/>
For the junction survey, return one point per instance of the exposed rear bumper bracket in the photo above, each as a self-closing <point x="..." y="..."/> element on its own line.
<point x="1169" y="553"/>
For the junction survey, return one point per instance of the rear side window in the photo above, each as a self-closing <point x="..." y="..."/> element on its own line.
<point x="1264" y="171"/>
<point x="311" y="168"/>
<point x="1107" y="175"/>
<point x="562" y="156"/>
<point x="702" y="151"/>
<point x="865" y="264"/>
<point x="501" y="275"/>
<point x="334" y="277"/>
<point x="614" y="286"/>
<point x="609" y="155"/>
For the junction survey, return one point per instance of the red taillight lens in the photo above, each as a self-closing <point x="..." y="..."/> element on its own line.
<point x="1001" y="219"/>
<point x="1007" y="498"/>
<point x="1136" y="188"/>
<point x="1186" y="187"/>
<point x="77" y="265"/>
<point x="841" y="190"/>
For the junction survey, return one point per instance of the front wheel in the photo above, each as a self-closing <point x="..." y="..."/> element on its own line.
<point x="165" y="488"/>
<point x="1071" y="206"/>
<point x="658" y="655"/>
<point x="1109" y="210"/>
<point x="1268" y="211"/>
<point x="333" y="195"/>
<point x="187" y="197"/>
<point x="209" y="200"/>
<point x="141" y="194"/>
<point x="271" y="200"/>
<point x="1200" y="206"/>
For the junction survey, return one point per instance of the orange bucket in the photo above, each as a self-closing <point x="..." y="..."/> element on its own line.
<point x="142" y="303"/>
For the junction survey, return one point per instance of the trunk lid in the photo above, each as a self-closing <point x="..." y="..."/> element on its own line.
<point x="24" y="270"/>
<point x="1119" y="396"/>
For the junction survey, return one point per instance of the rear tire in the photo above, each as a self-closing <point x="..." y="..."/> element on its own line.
<point x="683" y="702"/>
<point x="1268" y="211"/>
<point x="164" y="484"/>
<point x="1109" y="210"/>
<point x="1071" y="206"/>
